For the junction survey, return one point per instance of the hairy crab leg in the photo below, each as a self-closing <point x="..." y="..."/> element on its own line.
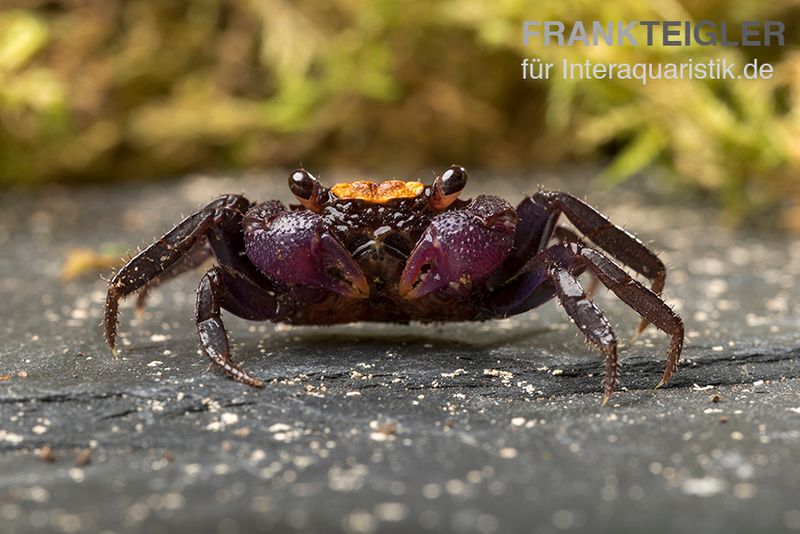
<point x="590" y="320"/>
<point x="148" y="264"/>
<point x="565" y="235"/>
<point x="541" y="279"/>
<point x="196" y="257"/>
<point x="167" y="251"/>
<point x="554" y="273"/>
<point x="644" y="301"/>
<point x="621" y="244"/>
<point x="224" y="288"/>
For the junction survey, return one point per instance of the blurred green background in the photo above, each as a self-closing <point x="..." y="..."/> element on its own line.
<point x="106" y="90"/>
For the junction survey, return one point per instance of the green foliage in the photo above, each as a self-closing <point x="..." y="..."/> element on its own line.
<point x="112" y="89"/>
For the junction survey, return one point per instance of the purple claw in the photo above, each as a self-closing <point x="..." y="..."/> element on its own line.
<point x="460" y="248"/>
<point x="337" y="270"/>
<point x="419" y="275"/>
<point x="295" y="248"/>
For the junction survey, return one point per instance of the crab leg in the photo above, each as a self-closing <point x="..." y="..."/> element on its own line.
<point x="160" y="257"/>
<point x="644" y="301"/>
<point x="196" y="257"/>
<point x="590" y="320"/>
<point x="565" y="235"/>
<point x="621" y="244"/>
<point x="224" y="288"/>
<point x="552" y="272"/>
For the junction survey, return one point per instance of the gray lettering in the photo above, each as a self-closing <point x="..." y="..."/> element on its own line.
<point x="553" y="29"/>
<point x="724" y="36"/>
<point x="527" y="33"/>
<point x="773" y="28"/>
<point x="578" y="34"/>
<point x="750" y="29"/>
<point x="671" y="29"/>
<point x="649" y="24"/>
<point x="625" y="31"/>
<point x="607" y="33"/>
<point x="698" y="35"/>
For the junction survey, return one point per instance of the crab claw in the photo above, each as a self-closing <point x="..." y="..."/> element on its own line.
<point x="460" y="248"/>
<point x="296" y="248"/>
<point x="337" y="271"/>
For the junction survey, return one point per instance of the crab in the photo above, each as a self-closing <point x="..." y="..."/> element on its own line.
<point x="399" y="251"/>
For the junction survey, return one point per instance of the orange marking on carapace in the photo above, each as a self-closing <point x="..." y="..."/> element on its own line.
<point x="377" y="193"/>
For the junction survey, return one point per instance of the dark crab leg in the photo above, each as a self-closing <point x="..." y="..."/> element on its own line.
<point x="565" y="235"/>
<point x="520" y="287"/>
<point x="596" y="227"/>
<point x="590" y="320"/>
<point x="196" y="257"/>
<point x="553" y="272"/>
<point x="224" y="214"/>
<point x="541" y="279"/>
<point x="621" y="244"/>
<point x="644" y="301"/>
<point x="224" y="288"/>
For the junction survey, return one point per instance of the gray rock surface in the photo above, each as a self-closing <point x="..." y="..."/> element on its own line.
<point x="492" y="427"/>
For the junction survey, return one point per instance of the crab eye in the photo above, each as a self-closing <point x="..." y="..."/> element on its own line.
<point x="453" y="180"/>
<point x="448" y="185"/>
<point x="302" y="184"/>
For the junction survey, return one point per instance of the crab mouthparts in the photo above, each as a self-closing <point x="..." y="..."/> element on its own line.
<point x="377" y="193"/>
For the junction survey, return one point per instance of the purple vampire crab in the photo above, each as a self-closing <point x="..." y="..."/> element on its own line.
<point x="399" y="251"/>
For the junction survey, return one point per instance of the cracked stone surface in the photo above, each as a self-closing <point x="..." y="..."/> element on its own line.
<point x="491" y="427"/>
